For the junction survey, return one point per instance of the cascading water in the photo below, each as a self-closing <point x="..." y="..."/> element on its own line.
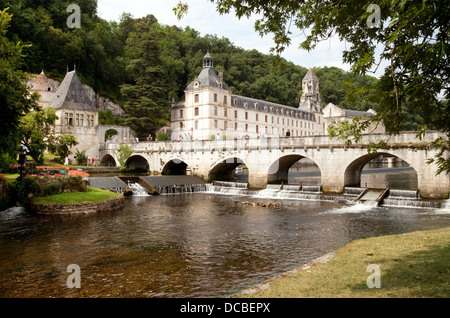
<point x="138" y="190"/>
<point x="404" y="193"/>
<point x="179" y="189"/>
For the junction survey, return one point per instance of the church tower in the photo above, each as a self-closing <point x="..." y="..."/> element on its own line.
<point x="311" y="100"/>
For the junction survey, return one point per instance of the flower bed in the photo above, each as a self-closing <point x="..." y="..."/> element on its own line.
<point x="45" y="185"/>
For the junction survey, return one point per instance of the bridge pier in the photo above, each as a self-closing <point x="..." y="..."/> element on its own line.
<point x="258" y="180"/>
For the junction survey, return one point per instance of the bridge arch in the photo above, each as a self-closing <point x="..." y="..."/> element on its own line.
<point x="279" y="170"/>
<point x="353" y="171"/>
<point x="137" y="162"/>
<point x="223" y="169"/>
<point x="108" y="160"/>
<point x="175" y="167"/>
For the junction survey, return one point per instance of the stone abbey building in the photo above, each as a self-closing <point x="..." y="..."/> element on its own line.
<point x="77" y="107"/>
<point x="210" y="109"/>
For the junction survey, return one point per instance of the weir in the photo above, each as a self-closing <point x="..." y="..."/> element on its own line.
<point x="145" y="185"/>
<point x="372" y="197"/>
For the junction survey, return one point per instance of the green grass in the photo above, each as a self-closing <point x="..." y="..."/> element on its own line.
<point x="412" y="265"/>
<point x="93" y="195"/>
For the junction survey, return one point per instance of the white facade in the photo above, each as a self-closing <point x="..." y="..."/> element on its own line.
<point x="210" y="109"/>
<point x="334" y="114"/>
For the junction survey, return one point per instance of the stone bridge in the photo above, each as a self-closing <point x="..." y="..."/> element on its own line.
<point x="269" y="159"/>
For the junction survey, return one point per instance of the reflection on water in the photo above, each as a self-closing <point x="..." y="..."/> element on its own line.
<point x="190" y="245"/>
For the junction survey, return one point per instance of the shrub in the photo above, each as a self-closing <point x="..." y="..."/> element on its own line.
<point x="162" y="136"/>
<point x="81" y="157"/>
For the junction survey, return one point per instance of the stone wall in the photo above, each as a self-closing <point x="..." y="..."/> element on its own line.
<point x="85" y="208"/>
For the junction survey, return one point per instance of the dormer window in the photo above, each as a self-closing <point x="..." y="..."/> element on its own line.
<point x="196" y="84"/>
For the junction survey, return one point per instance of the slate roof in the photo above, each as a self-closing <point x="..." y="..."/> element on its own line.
<point x="207" y="78"/>
<point x="310" y="75"/>
<point x="269" y="107"/>
<point x="72" y="95"/>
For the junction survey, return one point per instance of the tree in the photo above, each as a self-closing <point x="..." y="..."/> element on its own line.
<point x="123" y="154"/>
<point x="15" y="99"/>
<point x="61" y="146"/>
<point x="36" y="131"/>
<point x="413" y="37"/>
<point x="147" y="105"/>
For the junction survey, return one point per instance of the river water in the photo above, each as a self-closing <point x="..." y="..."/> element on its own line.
<point x="185" y="245"/>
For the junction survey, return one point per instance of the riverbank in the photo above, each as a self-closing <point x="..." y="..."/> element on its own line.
<point x="412" y="265"/>
<point x="92" y="201"/>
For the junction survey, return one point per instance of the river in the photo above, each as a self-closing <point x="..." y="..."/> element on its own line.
<point x="185" y="245"/>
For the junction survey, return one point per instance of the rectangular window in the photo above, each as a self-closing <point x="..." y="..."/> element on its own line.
<point x="196" y="98"/>
<point x="246" y="115"/>
<point x="273" y="120"/>
<point x="66" y="118"/>
<point x="77" y="120"/>
<point x="181" y="125"/>
<point x="257" y="129"/>
<point x="71" y="119"/>
<point x="265" y="118"/>
<point x="181" y="113"/>
<point x="235" y="126"/>
<point x="257" y="117"/>
<point x="225" y="125"/>
<point x="215" y="98"/>
<point x="235" y="114"/>
<point x="81" y="120"/>
<point x="225" y="100"/>
<point x="215" y="111"/>
<point x="196" y="111"/>
<point x="246" y="127"/>
<point x="215" y="123"/>
<point x="225" y="113"/>
<point x="278" y="120"/>
<point x="196" y="124"/>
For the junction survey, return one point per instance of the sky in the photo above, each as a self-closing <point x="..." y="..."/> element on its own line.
<point x="203" y="17"/>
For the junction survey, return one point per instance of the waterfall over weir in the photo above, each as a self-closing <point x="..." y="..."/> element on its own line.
<point x="138" y="190"/>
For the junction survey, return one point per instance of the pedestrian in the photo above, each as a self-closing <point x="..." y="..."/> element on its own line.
<point x="288" y="133"/>
<point x="88" y="161"/>
<point x="66" y="161"/>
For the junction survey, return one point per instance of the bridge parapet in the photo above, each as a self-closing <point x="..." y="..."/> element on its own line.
<point x="406" y="139"/>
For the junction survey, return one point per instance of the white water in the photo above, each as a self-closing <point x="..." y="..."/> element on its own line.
<point x="356" y="208"/>
<point x="445" y="209"/>
<point x="138" y="190"/>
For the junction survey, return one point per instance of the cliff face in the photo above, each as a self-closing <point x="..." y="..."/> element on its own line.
<point x="103" y="103"/>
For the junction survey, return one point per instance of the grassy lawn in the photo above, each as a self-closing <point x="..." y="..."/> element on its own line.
<point x="412" y="265"/>
<point x="93" y="195"/>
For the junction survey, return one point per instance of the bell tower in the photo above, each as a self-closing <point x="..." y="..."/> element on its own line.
<point x="310" y="88"/>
